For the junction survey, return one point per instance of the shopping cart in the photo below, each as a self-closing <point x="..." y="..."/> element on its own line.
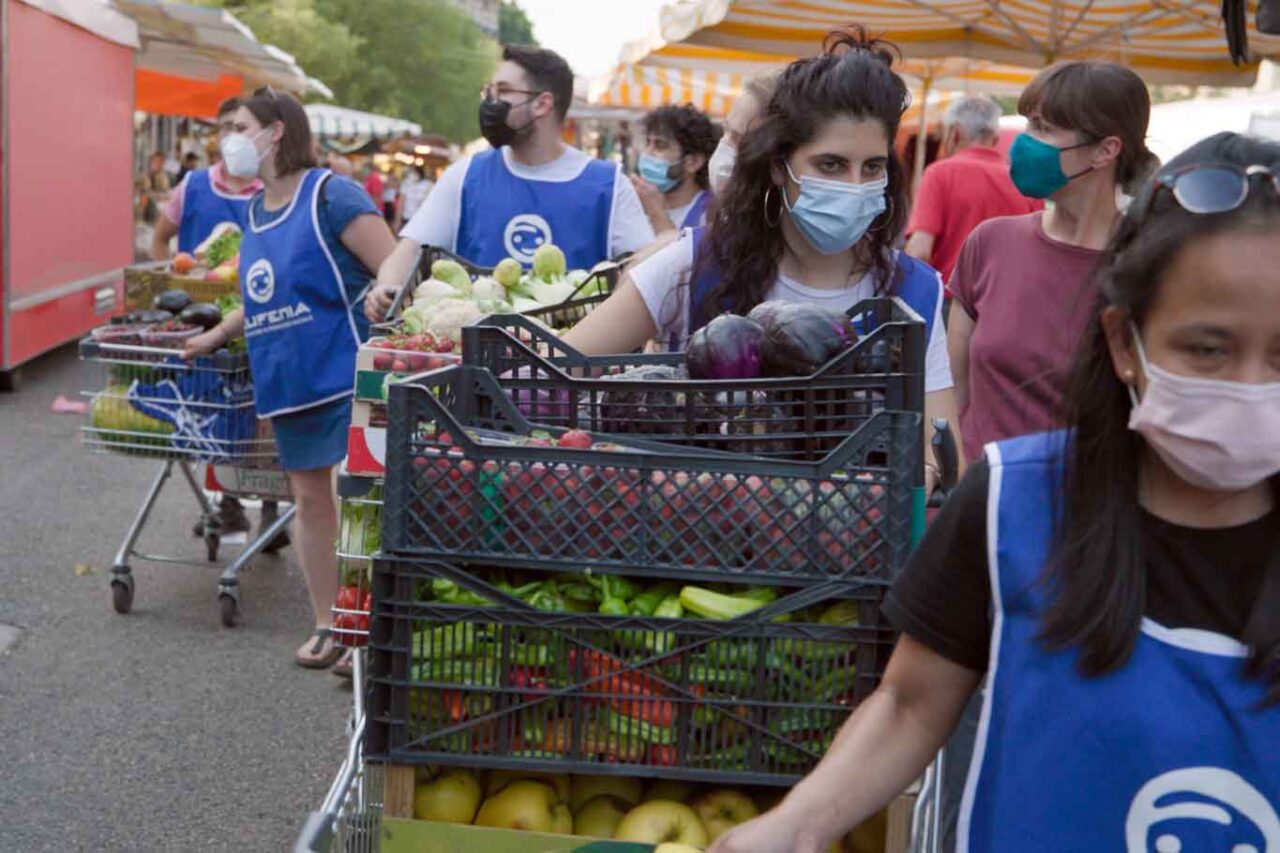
<point x="350" y="819"/>
<point x="156" y="405"/>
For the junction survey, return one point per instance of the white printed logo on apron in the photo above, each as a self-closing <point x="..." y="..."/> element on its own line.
<point x="524" y="234"/>
<point x="1202" y="794"/>
<point x="260" y="283"/>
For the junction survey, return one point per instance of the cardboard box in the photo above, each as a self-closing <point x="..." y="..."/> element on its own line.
<point x="417" y="836"/>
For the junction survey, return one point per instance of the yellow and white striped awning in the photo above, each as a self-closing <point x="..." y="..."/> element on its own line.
<point x="949" y="73"/>
<point x="1166" y="41"/>
<point x="646" y="87"/>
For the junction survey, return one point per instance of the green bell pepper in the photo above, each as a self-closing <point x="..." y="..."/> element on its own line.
<point x="646" y="603"/>
<point x="614" y="606"/>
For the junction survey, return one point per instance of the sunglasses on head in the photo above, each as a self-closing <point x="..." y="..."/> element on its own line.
<point x="1206" y="189"/>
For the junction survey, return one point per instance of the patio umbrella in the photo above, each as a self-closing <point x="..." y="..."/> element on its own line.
<point x="1165" y="41"/>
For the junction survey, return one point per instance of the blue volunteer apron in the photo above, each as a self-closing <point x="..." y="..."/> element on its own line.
<point x="1169" y="754"/>
<point x="915" y="283"/>
<point x="505" y="216"/>
<point x="299" y="327"/>
<point x="694" y="218"/>
<point x="205" y="208"/>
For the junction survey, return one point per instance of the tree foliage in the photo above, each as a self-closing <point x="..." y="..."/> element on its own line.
<point x="514" y="26"/>
<point x="422" y="60"/>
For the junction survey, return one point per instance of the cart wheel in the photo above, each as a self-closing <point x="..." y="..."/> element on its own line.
<point x="122" y="592"/>
<point x="230" y="610"/>
<point x="211" y="543"/>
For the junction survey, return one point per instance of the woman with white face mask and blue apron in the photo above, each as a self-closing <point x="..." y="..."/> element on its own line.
<point x="1118" y="582"/>
<point x="310" y="242"/>
<point x="811" y="214"/>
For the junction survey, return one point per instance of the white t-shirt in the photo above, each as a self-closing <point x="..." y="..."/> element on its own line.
<point x="663" y="282"/>
<point x="677" y="214"/>
<point x="415" y="192"/>
<point x="437" y="220"/>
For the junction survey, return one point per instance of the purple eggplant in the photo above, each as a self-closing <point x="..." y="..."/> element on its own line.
<point x="726" y="348"/>
<point x="801" y="337"/>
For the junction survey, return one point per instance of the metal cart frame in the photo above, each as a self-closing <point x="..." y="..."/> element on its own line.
<point x="240" y="451"/>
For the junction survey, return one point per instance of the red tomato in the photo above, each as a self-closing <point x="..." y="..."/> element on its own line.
<point x="366" y="603"/>
<point x="348" y="598"/>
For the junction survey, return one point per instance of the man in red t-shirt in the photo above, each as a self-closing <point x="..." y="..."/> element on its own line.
<point x="970" y="186"/>
<point x="373" y="185"/>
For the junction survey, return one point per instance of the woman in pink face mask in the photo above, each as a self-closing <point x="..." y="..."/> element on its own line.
<point x="1116" y="583"/>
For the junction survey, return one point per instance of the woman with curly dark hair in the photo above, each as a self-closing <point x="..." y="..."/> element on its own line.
<point x="814" y="205"/>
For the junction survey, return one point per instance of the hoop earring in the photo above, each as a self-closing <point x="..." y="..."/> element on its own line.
<point x="888" y="214"/>
<point x="778" y="220"/>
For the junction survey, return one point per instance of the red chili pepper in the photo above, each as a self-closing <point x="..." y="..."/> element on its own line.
<point x="610" y="677"/>
<point x="663" y="756"/>
<point x="456" y="703"/>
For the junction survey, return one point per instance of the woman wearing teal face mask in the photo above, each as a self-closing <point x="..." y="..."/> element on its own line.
<point x="1022" y="284"/>
<point x="810" y="213"/>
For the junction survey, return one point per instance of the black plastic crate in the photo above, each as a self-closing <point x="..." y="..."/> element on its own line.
<point x="561" y="316"/>
<point x="653" y="510"/>
<point x="803" y="417"/>
<point x="744" y="701"/>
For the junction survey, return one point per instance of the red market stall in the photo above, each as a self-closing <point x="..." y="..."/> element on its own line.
<point x="66" y="164"/>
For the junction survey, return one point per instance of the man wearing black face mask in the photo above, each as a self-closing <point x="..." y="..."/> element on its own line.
<point x="530" y="190"/>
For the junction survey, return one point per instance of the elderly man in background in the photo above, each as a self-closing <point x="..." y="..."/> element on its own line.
<point x="966" y="188"/>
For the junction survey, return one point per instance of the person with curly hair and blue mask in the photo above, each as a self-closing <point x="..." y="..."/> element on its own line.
<point x="674" y="184"/>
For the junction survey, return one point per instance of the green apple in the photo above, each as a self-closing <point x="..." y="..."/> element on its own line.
<point x="662" y="820"/>
<point x="451" y="797"/>
<point x="583" y="788"/>
<point x="524" y="805"/>
<point x="600" y="816"/>
<point x="720" y="811"/>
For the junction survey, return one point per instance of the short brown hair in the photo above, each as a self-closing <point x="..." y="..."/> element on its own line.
<point x="547" y="72"/>
<point x="295" y="151"/>
<point x="230" y="105"/>
<point x="1098" y="99"/>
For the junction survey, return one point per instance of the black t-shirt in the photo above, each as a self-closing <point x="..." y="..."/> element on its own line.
<point x="1196" y="578"/>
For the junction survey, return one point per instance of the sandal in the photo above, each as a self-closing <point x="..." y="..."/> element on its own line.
<point x="318" y="652"/>
<point x="344" y="668"/>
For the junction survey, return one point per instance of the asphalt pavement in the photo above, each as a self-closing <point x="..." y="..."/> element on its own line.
<point x="161" y="729"/>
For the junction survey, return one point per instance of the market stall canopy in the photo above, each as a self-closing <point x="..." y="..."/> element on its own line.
<point x="959" y="74"/>
<point x="329" y="121"/>
<point x="1165" y="42"/>
<point x="1176" y="125"/>
<point x="205" y="43"/>
<point x="644" y="87"/>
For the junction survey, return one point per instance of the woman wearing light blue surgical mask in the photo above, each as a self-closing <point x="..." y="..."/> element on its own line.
<point x="672" y="174"/>
<point x="811" y="212"/>
<point x="1117" y="581"/>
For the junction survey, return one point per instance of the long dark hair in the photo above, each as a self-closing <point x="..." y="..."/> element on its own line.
<point x="853" y="77"/>
<point x="1098" y="575"/>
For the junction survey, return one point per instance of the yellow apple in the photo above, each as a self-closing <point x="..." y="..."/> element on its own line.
<point x="584" y="788"/>
<point x="499" y="779"/>
<point x="671" y="847"/>
<point x="720" y="811"/>
<point x="669" y="789"/>
<point x="452" y="797"/>
<point x="600" y="816"/>
<point x="662" y="820"/>
<point x="524" y="805"/>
